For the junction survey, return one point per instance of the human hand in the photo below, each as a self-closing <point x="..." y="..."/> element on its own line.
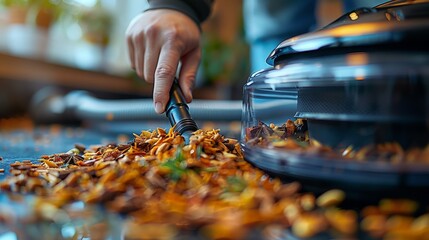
<point x="157" y="41"/>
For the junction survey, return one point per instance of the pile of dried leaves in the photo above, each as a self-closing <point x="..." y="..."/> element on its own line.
<point x="163" y="186"/>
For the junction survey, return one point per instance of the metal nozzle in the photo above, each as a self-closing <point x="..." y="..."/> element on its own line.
<point x="178" y="113"/>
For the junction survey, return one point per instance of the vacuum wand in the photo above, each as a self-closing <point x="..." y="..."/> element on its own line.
<point x="177" y="112"/>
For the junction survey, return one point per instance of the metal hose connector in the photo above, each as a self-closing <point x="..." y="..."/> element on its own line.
<point x="51" y="105"/>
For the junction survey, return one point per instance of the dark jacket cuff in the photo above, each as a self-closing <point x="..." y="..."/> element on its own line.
<point x="197" y="10"/>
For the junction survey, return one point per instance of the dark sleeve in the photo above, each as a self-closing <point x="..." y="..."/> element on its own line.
<point x="198" y="10"/>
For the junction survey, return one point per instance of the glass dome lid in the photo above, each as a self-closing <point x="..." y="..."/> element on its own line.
<point x="347" y="104"/>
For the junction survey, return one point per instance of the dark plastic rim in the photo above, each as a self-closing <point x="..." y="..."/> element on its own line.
<point x="394" y="25"/>
<point x="318" y="167"/>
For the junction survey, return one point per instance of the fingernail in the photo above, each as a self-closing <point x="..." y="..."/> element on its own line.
<point x="158" y="107"/>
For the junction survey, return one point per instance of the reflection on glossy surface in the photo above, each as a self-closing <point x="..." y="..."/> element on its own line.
<point x="387" y="24"/>
<point x="353" y="16"/>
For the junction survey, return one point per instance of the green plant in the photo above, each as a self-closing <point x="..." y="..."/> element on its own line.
<point x="96" y="23"/>
<point x="42" y="12"/>
<point x="227" y="62"/>
<point x="9" y="3"/>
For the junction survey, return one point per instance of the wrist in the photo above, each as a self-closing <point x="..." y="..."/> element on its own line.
<point x="197" y="10"/>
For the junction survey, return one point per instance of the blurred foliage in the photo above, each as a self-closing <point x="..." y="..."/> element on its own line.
<point x="43" y="3"/>
<point x="96" y="24"/>
<point x="9" y="3"/>
<point x="226" y="62"/>
<point x="95" y="21"/>
<point x="41" y="12"/>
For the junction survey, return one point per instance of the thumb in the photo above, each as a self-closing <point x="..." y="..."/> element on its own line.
<point x="188" y="72"/>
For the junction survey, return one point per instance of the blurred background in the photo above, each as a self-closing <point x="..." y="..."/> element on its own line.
<point x="80" y="44"/>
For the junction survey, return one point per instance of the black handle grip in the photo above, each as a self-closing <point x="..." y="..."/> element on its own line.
<point x="178" y="111"/>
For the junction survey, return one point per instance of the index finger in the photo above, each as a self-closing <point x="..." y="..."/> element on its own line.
<point x="164" y="77"/>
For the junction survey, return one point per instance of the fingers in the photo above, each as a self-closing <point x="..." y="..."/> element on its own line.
<point x="188" y="72"/>
<point x="136" y="47"/>
<point x="139" y="53"/>
<point x="144" y="46"/>
<point x="130" y="37"/>
<point x="131" y="51"/>
<point x="157" y="40"/>
<point x="164" y="76"/>
<point x="151" y="55"/>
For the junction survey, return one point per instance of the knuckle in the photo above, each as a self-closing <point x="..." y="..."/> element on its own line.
<point x="136" y="38"/>
<point x="151" y="30"/>
<point x="190" y="80"/>
<point x="173" y="37"/>
<point x="172" y="34"/>
<point x="165" y="71"/>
